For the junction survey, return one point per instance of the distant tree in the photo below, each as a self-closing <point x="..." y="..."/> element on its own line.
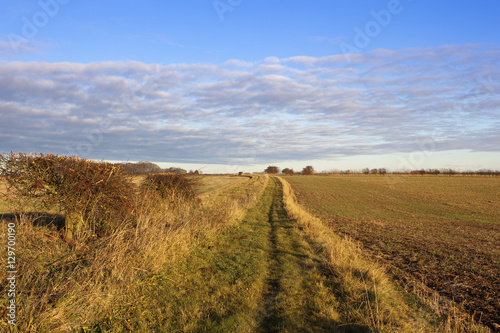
<point x="287" y="171"/>
<point x="196" y="172"/>
<point x="449" y="171"/>
<point x="487" y="172"/>
<point x="272" y="169"/>
<point x="177" y="171"/>
<point x="308" y="170"/>
<point x="374" y="171"/>
<point x="140" y="168"/>
<point x="365" y="171"/>
<point x="382" y="171"/>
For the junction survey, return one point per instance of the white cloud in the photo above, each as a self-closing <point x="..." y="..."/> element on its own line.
<point x="299" y="108"/>
<point x="272" y="60"/>
<point x="237" y="63"/>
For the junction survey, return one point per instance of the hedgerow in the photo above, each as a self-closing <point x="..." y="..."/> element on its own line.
<point x="95" y="196"/>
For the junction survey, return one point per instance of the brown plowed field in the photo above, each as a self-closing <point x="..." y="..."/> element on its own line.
<point x="439" y="230"/>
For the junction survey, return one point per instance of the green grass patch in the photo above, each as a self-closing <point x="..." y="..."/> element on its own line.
<point x="408" y="198"/>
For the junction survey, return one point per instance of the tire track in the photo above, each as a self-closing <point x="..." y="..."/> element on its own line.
<point x="271" y="313"/>
<point x="290" y="296"/>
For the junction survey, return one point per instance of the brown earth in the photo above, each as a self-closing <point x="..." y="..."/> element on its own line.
<point x="446" y="243"/>
<point x="455" y="265"/>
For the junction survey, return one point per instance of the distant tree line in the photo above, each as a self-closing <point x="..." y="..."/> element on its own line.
<point x="272" y="169"/>
<point x="484" y="172"/>
<point x="309" y="170"/>
<point x="140" y="168"/>
<point x="380" y="171"/>
<point x="447" y="171"/>
<point x="177" y="171"/>
<point x="146" y="168"/>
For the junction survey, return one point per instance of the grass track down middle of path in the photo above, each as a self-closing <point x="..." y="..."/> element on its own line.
<point x="295" y="297"/>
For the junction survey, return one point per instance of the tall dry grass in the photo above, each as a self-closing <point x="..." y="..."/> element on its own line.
<point x="368" y="295"/>
<point x="65" y="286"/>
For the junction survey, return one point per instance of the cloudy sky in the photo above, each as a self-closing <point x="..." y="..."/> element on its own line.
<point x="230" y="85"/>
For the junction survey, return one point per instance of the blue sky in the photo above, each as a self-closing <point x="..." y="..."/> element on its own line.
<point x="233" y="85"/>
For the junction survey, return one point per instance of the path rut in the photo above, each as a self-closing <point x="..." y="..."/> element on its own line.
<point x="293" y="279"/>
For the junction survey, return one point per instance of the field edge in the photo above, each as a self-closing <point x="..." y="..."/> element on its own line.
<point x="393" y="308"/>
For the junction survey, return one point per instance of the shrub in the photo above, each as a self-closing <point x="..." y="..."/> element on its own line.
<point x="171" y="186"/>
<point x="140" y="168"/>
<point x="177" y="171"/>
<point x="272" y="169"/>
<point x="94" y="196"/>
<point x="308" y="170"/>
<point x="382" y="171"/>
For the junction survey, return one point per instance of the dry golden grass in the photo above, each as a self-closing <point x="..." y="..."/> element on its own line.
<point x="209" y="185"/>
<point x="137" y="179"/>
<point x="64" y="286"/>
<point x="214" y="184"/>
<point x="3" y="185"/>
<point x="4" y="206"/>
